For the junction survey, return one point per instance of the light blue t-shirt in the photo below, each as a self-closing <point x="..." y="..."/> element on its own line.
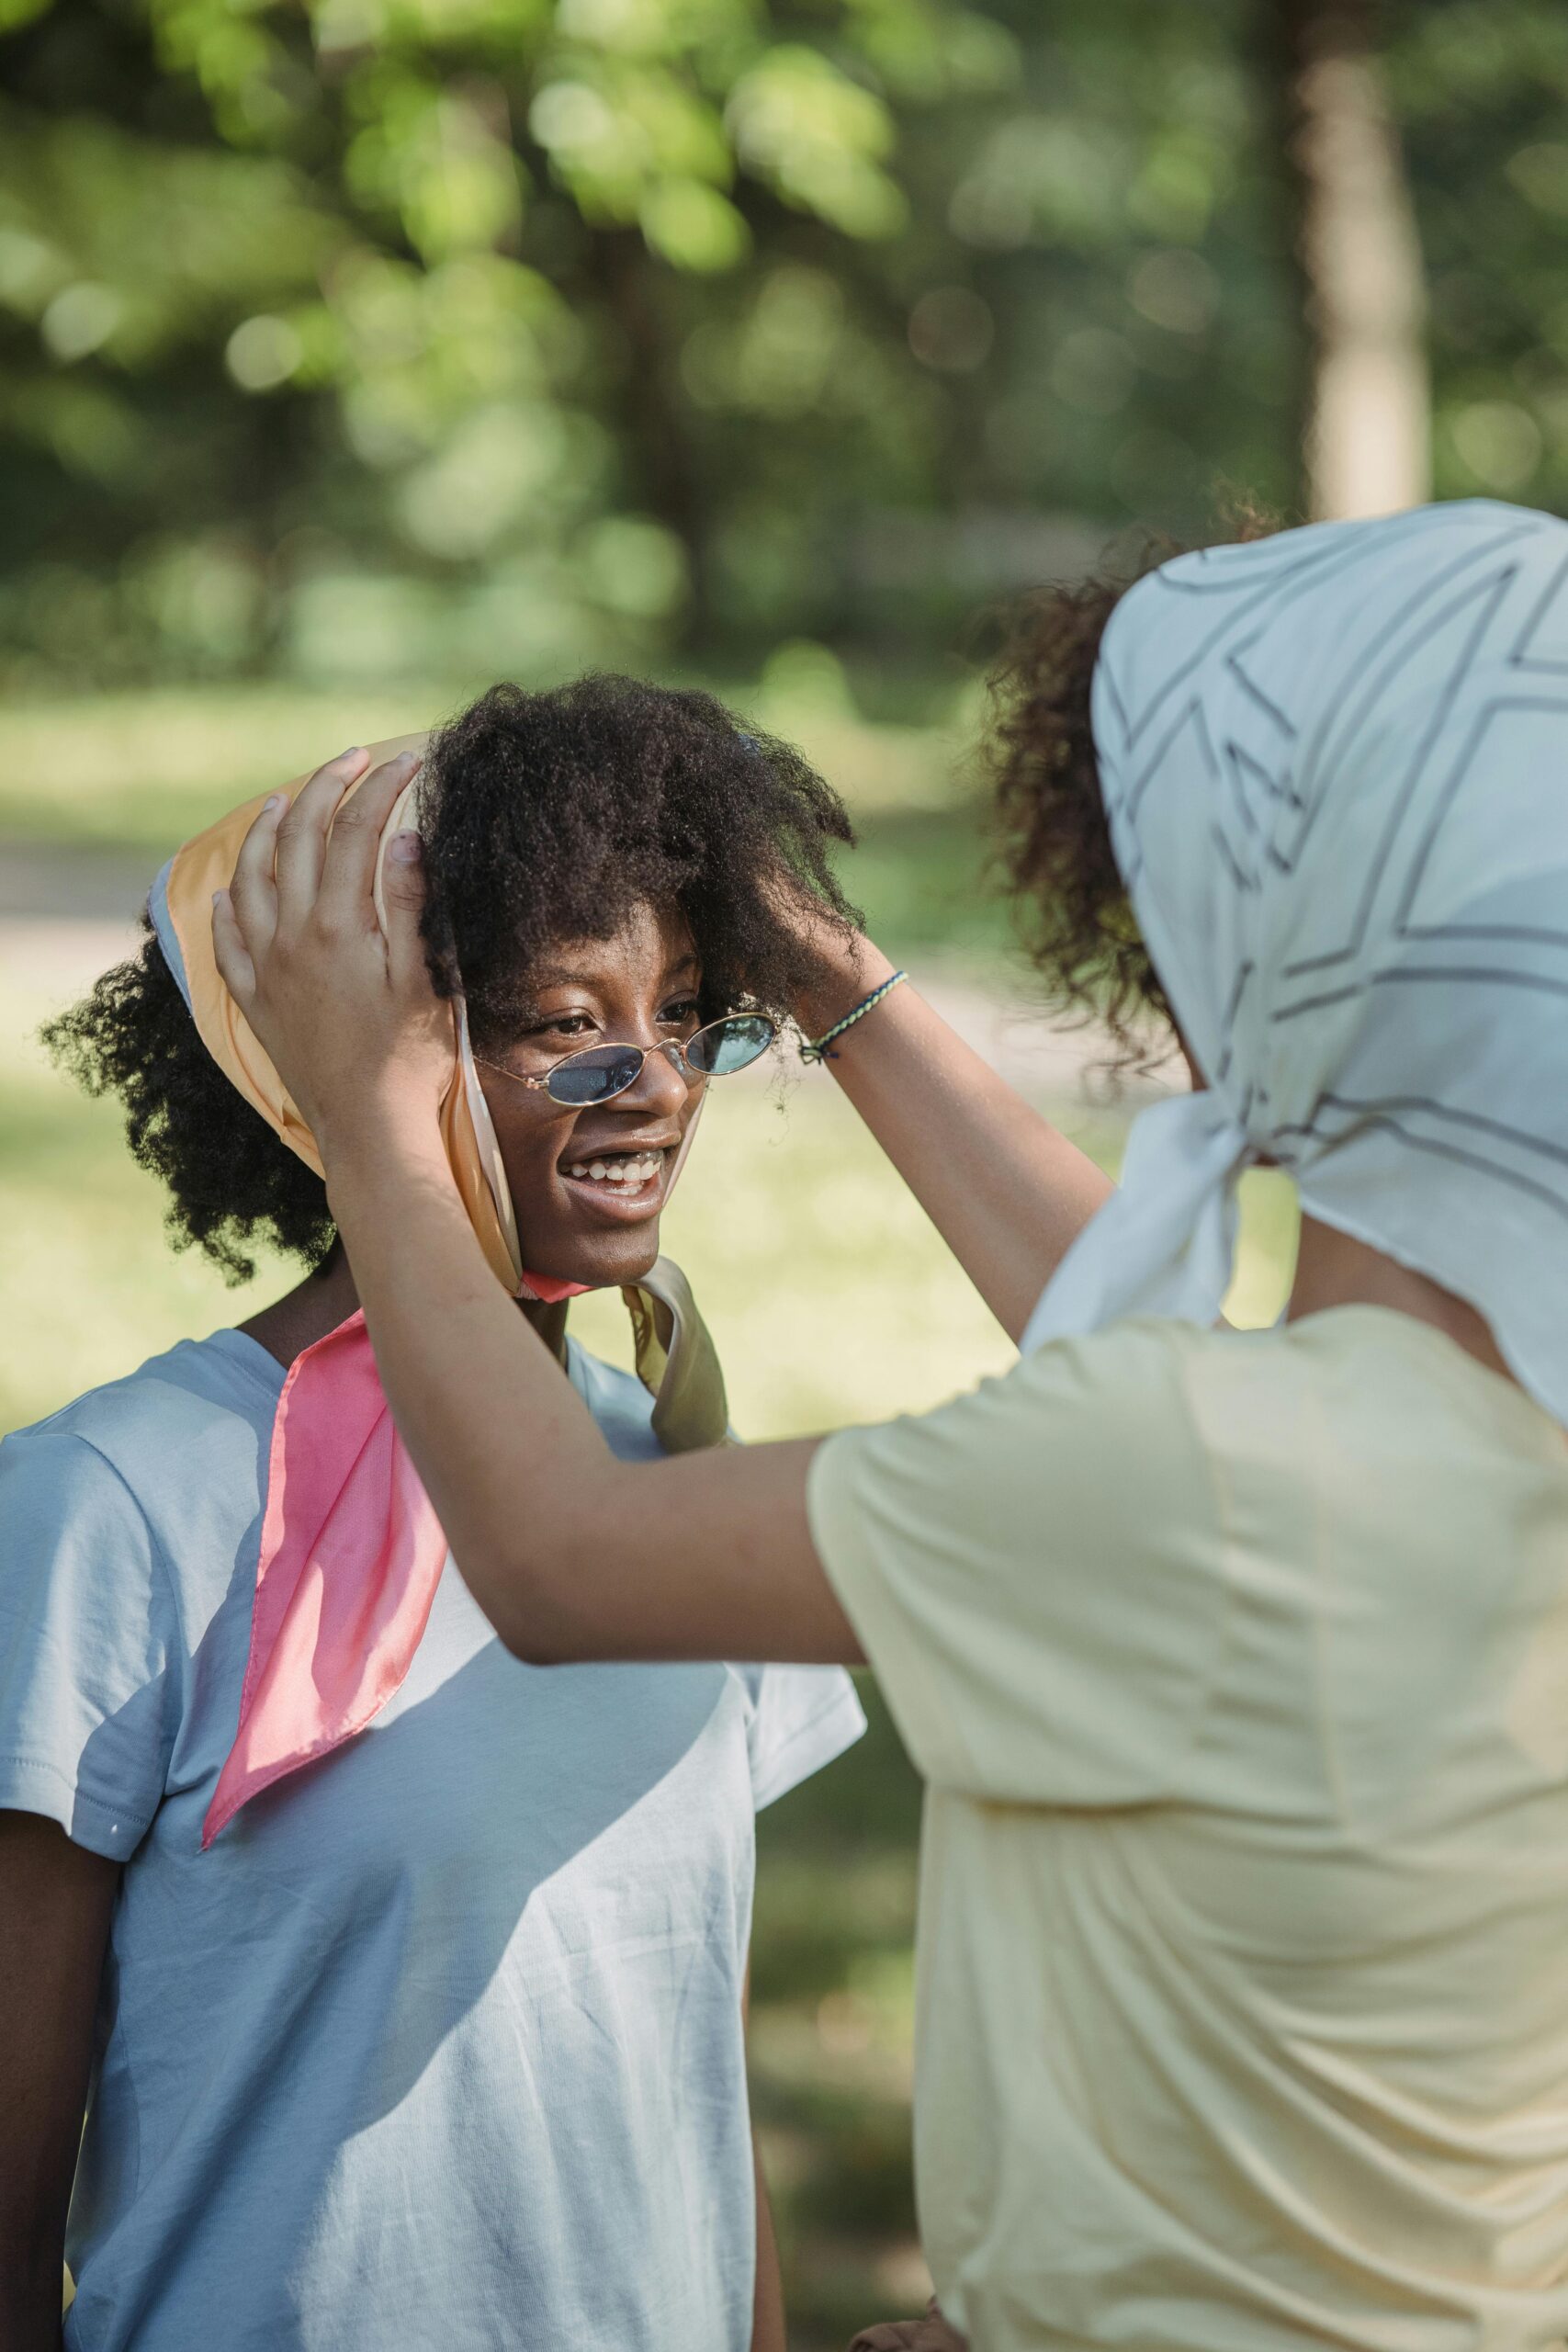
<point x="440" y="2044"/>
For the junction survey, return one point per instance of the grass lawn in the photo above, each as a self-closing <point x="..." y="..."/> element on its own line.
<point x="831" y="1298"/>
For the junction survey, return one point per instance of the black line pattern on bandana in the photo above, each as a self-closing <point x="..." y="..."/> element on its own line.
<point x="1492" y="607"/>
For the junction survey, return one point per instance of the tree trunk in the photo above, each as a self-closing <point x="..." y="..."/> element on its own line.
<point x="1368" y="438"/>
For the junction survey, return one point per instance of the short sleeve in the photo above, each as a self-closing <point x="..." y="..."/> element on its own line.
<point x="798" y="1718"/>
<point x="87" y="1706"/>
<point x="1037" y="1572"/>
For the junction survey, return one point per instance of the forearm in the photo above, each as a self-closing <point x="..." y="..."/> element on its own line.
<point x="1007" y="1192"/>
<point x="477" y="1398"/>
<point x="55" y="1904"/>
<point x="570" y="1552"/>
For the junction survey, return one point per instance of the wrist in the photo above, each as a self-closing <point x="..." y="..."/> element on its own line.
<point x="382" y="1132"/>
<point x="841" y="982"/>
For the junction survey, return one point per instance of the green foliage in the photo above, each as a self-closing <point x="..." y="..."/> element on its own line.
<point x="587" y="330"/>
<point x="382" y="285"/>
<point x="1481" y="87"/>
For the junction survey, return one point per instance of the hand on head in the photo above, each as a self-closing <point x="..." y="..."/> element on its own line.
<point x="345" y="1008"/>
<point x="838" y="963"/>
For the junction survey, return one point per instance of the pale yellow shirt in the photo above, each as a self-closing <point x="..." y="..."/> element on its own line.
<point x="1238" y="1666"/>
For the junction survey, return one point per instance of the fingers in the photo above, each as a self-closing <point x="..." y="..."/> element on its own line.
<point x="253" y="893"/>
<point x="235" y="966"/>
<point x="302" y="833"/>
<point x="349" y="870"/>
<point x="403" y="896"/>
<point x="932" y="2333"/>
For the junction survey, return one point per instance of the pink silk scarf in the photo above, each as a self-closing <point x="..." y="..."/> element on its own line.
<point x="351" y="1555"/>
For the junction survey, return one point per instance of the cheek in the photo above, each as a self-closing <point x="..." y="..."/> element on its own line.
<point x="529" y="1150"/>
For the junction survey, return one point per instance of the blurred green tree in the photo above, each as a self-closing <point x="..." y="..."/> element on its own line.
<point x="290" y="290"/>
<point x="464" y="334"/>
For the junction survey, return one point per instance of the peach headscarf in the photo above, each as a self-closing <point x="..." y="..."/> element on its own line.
<point x="350" y="1550"/>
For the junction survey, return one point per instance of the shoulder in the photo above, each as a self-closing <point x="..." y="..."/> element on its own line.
<point x="1037" y="1570"/>
<point x="1066" y="1413"/>
<point x="169" y="1454"/>
<point x="194" y="1389"/>
<point x="123" y="1516"/>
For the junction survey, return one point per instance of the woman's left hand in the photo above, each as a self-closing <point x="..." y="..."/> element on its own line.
<point x="346" y="1011"/>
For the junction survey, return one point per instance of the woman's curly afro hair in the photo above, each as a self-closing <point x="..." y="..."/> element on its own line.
<point x="546" y="817"/>
<point x="1071" y="904"/>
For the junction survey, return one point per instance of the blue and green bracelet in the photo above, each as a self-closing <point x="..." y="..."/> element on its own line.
<point x="822" y="1049"/>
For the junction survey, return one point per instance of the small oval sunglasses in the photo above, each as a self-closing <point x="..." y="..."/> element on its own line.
<point x="601" y="1073"/>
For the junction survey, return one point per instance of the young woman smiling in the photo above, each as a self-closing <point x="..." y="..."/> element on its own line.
<point x="402" y="1983"/>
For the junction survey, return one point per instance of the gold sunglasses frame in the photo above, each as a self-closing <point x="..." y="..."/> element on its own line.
<point x="673" y="1046"/>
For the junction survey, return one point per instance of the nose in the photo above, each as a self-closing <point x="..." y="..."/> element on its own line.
<point x="660" y="1086"/>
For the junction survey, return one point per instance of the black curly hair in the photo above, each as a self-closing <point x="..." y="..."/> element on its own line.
<point x="546" y="817"/>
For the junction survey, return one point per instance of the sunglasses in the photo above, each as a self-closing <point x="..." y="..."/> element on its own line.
<point x="601" y="1073"/>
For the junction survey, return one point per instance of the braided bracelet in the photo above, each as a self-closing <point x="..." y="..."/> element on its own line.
<point x="822" y="1051"/>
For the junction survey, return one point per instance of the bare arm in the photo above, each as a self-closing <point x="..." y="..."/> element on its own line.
<point x="704" y="1556"/>
<point x="1007" y="1192"/>
<point x="55" y="1902"/>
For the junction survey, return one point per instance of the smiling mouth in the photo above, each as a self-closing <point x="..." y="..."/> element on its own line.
<point x="619" y="1181"/>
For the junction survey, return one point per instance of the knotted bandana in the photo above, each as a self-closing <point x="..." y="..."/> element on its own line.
<point x="1335" y="768"/>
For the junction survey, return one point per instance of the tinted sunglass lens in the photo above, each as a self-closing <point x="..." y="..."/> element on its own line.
<point x="729" y="1045"/>
<point x="594" y="1077"/>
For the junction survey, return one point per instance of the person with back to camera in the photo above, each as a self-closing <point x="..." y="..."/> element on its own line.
<point x="403" y="1986"/>
<point x="1236" y="1663"/>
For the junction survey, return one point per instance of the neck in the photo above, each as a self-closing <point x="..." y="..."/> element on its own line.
<point x="309" y="1311"/>
<point x="328" y="1297"/>
<point x="1332" y="1270"/>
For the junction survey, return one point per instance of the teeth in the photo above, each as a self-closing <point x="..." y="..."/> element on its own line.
<point x="634" y="1170"/>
